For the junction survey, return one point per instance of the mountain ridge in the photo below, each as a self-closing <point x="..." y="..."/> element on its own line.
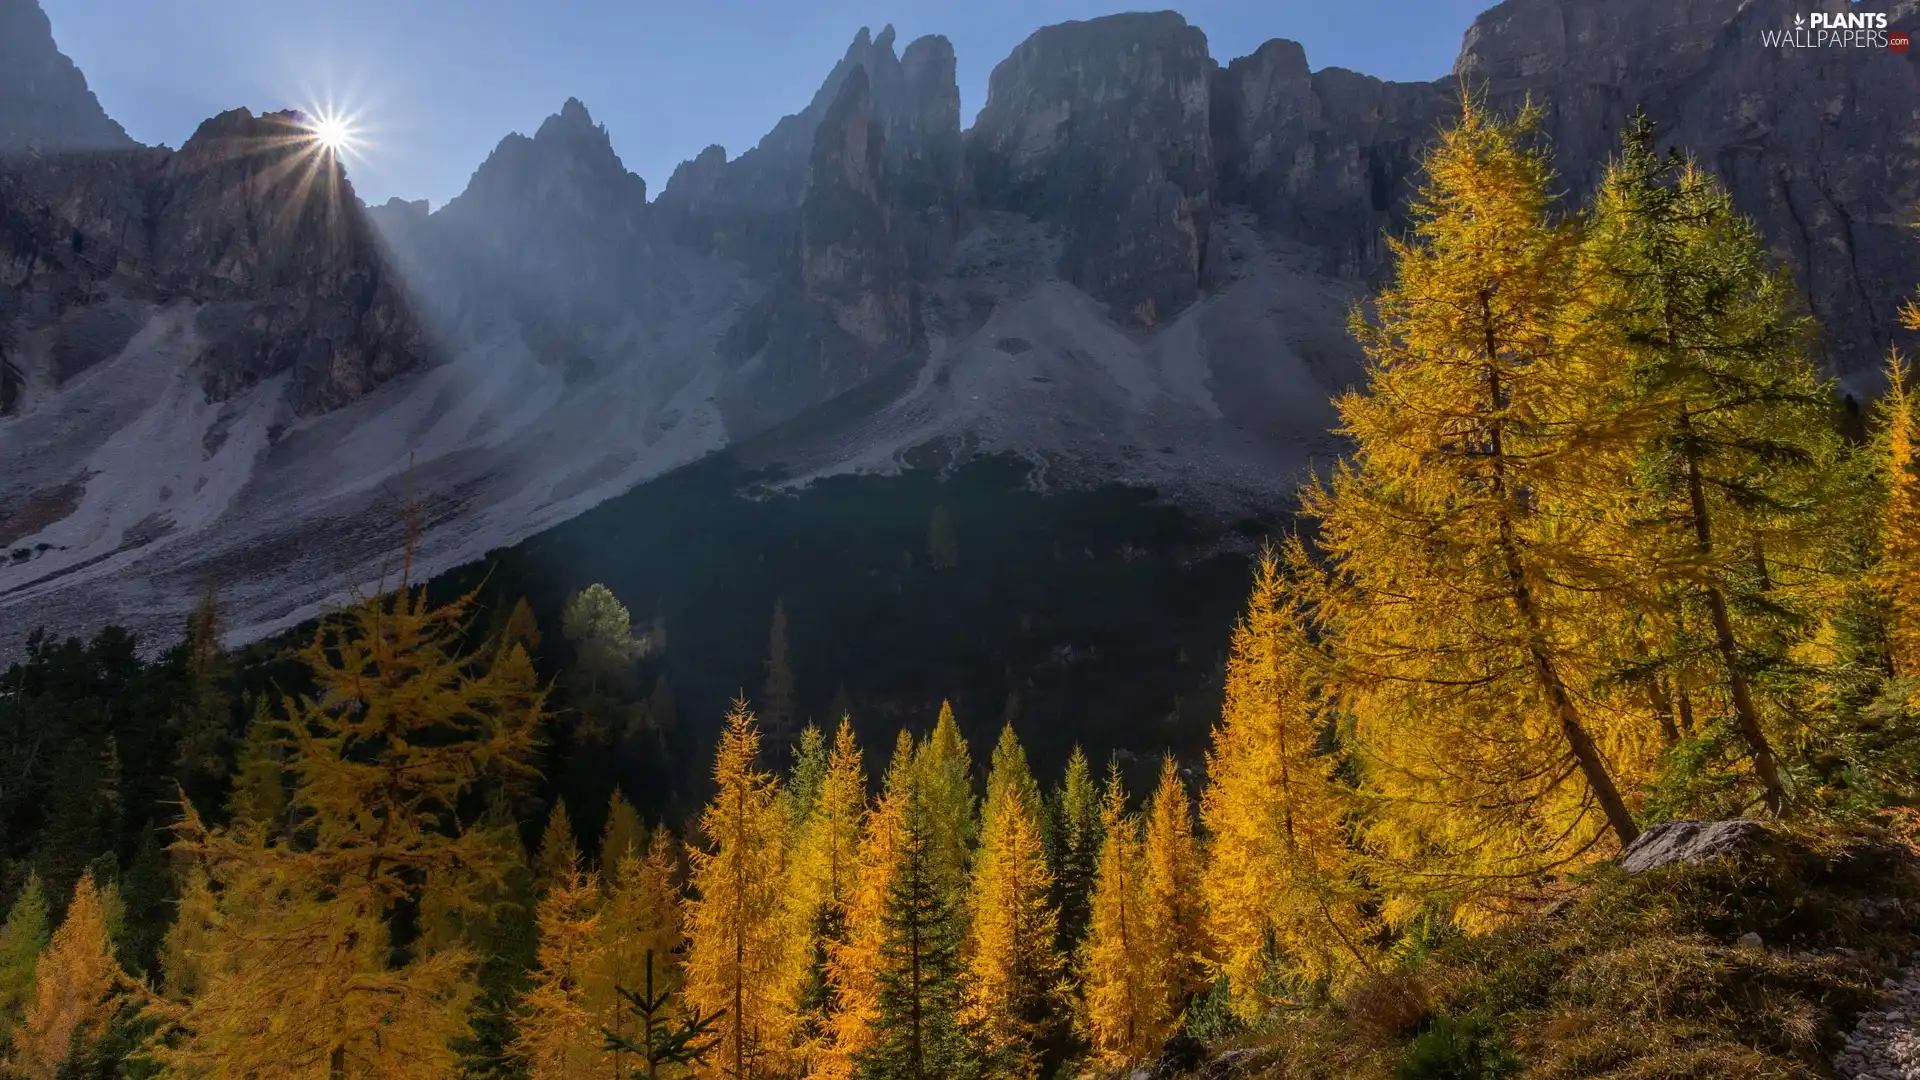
<point x="1134" y="266"/>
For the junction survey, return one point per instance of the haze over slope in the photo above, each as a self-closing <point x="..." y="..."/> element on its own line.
<point x="215" y="364"/>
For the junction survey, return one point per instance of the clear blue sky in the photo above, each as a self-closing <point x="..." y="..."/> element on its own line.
<point x="440" y="81"/>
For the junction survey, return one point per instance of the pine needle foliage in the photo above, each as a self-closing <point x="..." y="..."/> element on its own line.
<point x="1465" y="567"/>
<point x="559" y="1027"/>
<point x="917" y="1032"/>
<point x="1013" y="971"/>
<point x="1116" y="959"/>
<point x="743" y="960"/>
<point x="854" y="964"/>
<point x="302" y="972"/>
<point x="1727" y="513"/>
<point x="1282" y="890"/>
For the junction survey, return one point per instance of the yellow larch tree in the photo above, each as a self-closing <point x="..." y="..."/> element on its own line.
<point x="558" y="1031"/>
<point x="300" y="975"/>
<point x="259" y="783"/>
<point x="1466" y="582"/>
<point x="1175" y="912"/>
<point x="74" y="985"/>
<point x="742" y="957"/>
<point x="623" y="836"/>
<point x="1013" y="970"/>
<point x="1899" y="569"/>
<point x="945" y="778"/>
<point x="640" y="924"/>
<point x="1280" y="887"/>
<point x="1116" y="960"/>
<point x="809" y="771"/>
<point x="827" y="853"/>
<point x="853" y="966"/>
<point x="187" y="943"/>
<point x="559" y="854"/>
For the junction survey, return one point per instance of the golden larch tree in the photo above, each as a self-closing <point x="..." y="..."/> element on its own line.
<point x="623" y="836"/>
<point x="1175" y="911"/>
<point x="853" y="966"/>
<point x="1466" y="582"/>
<point x="300" y="975"/>
<point x="188" y="942"/>
<point x="74" y="985"/>
<point x="1899" y="570"/>
<point x="559" y="854"/>
<point x="1116" y="960"/>
<point x="1012" y="968"/>
<point x="1279" y="886"/>
<point x="259" y="782"/>
<point x="640" y="917"/>
<point x="742" y="957"/>
<point x="944" y="771"/>
<point x="558" y="1035"/>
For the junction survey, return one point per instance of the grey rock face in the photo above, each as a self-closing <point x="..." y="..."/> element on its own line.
<point x="850" y="263"/>
<point x="745" y="209"/>
<point x="1801" y="136"/>
<point x="1103" y="128"/>
<point x="1690" y="842"/>
<point x="551" y="232"/>
<point x="45" y="104"/>
<point x="247" y="220"/>
<point x="846" y="232"/>
<point x="250" y="219"/>
<point x="1325" y="158"/>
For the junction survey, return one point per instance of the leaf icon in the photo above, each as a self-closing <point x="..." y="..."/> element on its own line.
<point x="1799" y="21"/>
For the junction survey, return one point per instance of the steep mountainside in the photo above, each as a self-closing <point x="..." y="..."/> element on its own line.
<point x="1136" y="265"/>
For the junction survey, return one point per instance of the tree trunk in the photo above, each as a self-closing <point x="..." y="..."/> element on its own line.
<point x="1746" y="715"/>
<point x="1662" y="708"/>
<point x="1586" y="753"/>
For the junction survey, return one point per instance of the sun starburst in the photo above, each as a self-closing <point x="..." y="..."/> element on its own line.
<point x="332" y="132"/>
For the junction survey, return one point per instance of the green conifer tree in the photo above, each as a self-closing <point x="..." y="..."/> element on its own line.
<point x="22" y="938"/>
<point x="1728" y="512"/>
<point x="1075" y="849"/>
<point x="918" y="1034"/>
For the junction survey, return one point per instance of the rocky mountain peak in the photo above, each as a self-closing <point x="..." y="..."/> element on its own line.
<point x="1103" y="126"/>
<point x="568" y="166"/>
<point x="257" y="221"/>
<point x="45" y="103"/>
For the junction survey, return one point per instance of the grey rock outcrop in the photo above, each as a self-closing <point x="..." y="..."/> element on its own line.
<point x="45" y="104"/>
<point x="552" y="232"/>
<point x="1103" y="128"/>
<point x="248" y="221"/>
<point x="1325" y="157"/>
<point x="1693" y="842"/>
<point x="847" y="234"/>
<point x="251" y="220"/>
<point x="1885" y="1043"/>
<point x="851" y="263"/>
